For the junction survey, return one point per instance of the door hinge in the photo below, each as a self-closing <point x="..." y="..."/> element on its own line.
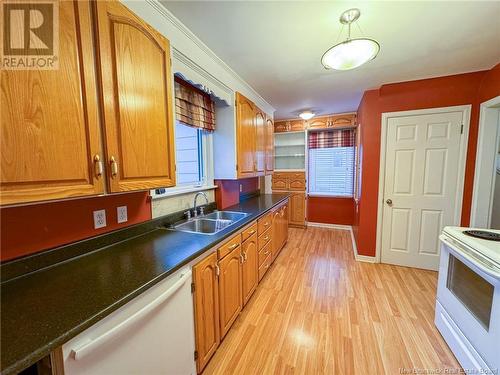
<point x="192" y="287"/>
<point x="462" y="129"/>
<point x="196" y="355"/>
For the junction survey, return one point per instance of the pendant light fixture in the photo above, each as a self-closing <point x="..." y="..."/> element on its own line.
<point x="306" y="115"/>
<point x="350" y="53"/>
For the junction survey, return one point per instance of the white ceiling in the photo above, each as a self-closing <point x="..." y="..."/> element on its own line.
<point x="277" y="46"/>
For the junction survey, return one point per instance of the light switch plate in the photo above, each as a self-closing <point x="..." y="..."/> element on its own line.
<point x="121" y="214"/>
<point x="99" y="219"/>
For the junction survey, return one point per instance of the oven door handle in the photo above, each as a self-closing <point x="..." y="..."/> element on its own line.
<point x="487" y="269"/>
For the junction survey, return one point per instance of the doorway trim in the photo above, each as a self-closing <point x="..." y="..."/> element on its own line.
<point x="466" y="110"/>
<point x="484" y="181"/>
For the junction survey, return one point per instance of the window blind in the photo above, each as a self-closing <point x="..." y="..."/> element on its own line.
<point x="193" y="107"/>
<point x="188" y="155"/>
<point x="331" y="156"/>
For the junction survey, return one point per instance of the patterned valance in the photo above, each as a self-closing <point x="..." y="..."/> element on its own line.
<point x="332" y="138"/>
<point x="193" y="107"/>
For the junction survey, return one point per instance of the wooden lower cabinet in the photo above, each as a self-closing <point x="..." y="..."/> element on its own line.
<point x="206" y="309"/>
<point x="230" y="301"/>
<point x="225" y="280"/>
<point x="297" y="212"/>
<point x="280" y="229"/>
<point x="249" y="267"/>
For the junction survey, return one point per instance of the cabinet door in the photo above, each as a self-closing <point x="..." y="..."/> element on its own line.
<point x="137" y="100"/>
<point x="230" y="289"/>
<point x="250" y="267"/>
<point x="269" y="146"/>
<point x="50" y="120"/>
<point x="245" y="134"/>
<point x="260" y="142"/>
<point x="297" y="209"/>
<point x="206" y="309"/>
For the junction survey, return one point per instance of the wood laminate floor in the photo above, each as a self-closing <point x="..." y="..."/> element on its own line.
<point x="318" y="311"/>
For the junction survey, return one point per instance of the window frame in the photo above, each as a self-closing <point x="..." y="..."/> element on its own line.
<point x="326" y="194"/>
<point x="206" y="141"/>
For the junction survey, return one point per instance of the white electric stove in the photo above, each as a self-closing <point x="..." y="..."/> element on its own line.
<point x="468" y="299"/>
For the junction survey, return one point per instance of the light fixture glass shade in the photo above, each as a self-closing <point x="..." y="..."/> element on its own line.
<point x="306" y="115"/>
<point x="350" y="54"/>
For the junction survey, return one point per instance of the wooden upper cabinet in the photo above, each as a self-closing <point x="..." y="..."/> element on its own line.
<point x="230" y="300"/>
<point x="260" y="142"/>
<point x="249" y="269"/>
<point x="269" y="145"/>
<point x="134" y="61"/>
<point x="50" y="122"/>
<point x="245" y="134"/>
<point x="206" y="309"/>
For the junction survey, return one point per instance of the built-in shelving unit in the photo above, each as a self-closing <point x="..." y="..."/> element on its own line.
<point x="290" y="150"/>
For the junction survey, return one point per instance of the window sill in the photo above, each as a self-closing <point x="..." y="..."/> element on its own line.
<point x="172" y="192"/>
<point x="323" y="195"/>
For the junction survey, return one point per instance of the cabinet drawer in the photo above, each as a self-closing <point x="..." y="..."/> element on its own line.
<point x="280" y="175"/>
<point x="297" y="185"/>
<point x="229" y="246"/>
<point x="297" y="175"/>
<point x="264" y="253"/>
<point x="265" y="238"/>
<point x="265" y="223"/>
<point x="248" y="231"/>
<point x="265" y="266"/>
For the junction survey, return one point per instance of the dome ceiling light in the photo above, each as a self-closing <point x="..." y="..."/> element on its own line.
<point x="306" y="115"/>
<point x="350" y="53"/>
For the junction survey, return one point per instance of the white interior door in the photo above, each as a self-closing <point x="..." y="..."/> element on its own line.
<point x="421" y="181"/>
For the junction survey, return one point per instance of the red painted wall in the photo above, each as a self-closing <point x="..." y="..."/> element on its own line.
<point x="228" y="192"/>
<point x="330" y="210"/>
<point x="33" y="228"/>
<point x="462" y="89"/>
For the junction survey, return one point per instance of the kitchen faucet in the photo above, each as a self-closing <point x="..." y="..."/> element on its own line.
<point x="201" y="208"/>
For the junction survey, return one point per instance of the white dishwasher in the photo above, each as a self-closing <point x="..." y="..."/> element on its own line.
<point x="153" y="334"/>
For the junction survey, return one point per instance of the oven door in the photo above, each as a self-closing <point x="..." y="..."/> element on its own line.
<point x="469" y="292"/>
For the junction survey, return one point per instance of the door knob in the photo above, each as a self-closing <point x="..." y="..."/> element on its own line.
<point x="389" y="201"/>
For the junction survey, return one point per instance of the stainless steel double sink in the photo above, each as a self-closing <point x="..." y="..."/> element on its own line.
<point x="211" y="223"/>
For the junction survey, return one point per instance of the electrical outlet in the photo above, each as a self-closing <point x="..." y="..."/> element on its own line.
<point x="121" y="214"/>
<point x="241" y="188"/>
<point x="99" y="219"/>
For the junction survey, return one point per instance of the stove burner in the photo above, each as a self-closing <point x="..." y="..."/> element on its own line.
<point x="483" y="234"/>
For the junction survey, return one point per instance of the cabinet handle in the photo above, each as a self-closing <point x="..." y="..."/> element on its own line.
<point x="266" y="238"/>
<point x="266" y="252"/>
<point x="242" y="259"/>
<point x="98" y="166"/>
<point x="266" y="224"/>
<point x="251" y="232"/>
<point x="233" y="246"/>
<point x="114" y="166"/>
<point x="217" y="270"/>
<point x="245" y="256"/>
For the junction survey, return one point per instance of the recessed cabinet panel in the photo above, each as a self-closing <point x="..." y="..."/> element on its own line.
<point x="230" y="289"/>
<point x="245" y="133"/>
<point x="250" y="267"/>
<point x="49" y="120"/>
<point x="136" y="84"/>
<point x="206" y="309"/>
<point x="260" y="142"/>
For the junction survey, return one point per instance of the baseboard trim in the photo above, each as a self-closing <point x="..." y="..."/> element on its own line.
<point x="359" y="258"/>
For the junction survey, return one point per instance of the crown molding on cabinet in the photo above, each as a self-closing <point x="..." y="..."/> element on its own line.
<point x="244" y="88"/>
<point x="188" y="68"/>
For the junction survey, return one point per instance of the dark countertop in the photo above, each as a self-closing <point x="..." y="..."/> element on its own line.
<point x="42" y="310"/>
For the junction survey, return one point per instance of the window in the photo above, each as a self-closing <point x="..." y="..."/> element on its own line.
<point x="331" y="162"/>
<point x="189" y="155"/>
